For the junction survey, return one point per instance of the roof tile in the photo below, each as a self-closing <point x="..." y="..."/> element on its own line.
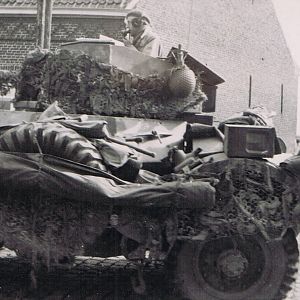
<point x="69" y="3"/>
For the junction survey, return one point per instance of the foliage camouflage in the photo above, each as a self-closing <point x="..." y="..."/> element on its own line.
<point x="81" y="85"/>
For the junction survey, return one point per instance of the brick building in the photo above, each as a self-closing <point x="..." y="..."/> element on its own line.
<point x="239" y="40"/>
<point x="71" y="19"/>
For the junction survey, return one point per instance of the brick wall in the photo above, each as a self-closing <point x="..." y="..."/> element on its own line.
<point x="236" y="39"/>
<point x="15" y="41"/>
<point x="17" y="35"/>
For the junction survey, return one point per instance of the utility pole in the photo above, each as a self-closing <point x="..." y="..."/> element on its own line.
<point x="44" y="22"/>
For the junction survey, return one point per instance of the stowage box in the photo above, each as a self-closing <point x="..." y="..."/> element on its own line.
<point x="249" y="141"/>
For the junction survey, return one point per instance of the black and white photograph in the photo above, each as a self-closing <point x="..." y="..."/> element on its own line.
<point x="149" y="149"/>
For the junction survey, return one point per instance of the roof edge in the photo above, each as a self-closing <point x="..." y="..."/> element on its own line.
<point x="87" y="12"/>
<point x="132" y="4"/>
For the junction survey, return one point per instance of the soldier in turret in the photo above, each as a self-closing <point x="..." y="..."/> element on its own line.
<point x="140" y="36"/>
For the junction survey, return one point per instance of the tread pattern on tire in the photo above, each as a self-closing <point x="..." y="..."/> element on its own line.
<point x="290" y="245"/>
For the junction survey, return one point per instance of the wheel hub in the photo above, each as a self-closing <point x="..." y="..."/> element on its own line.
<point x="232" y="263"/>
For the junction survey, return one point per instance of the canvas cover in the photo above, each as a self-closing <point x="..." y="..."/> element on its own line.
<point x="49" y="175"/>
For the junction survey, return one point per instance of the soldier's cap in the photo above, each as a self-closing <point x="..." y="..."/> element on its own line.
<point x="139" y="15"/>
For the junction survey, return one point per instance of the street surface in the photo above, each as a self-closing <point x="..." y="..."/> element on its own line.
<point x="106" y="290"/>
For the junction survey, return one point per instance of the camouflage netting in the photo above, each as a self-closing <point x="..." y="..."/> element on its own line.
<point x="254" y="197"/>
<point x="81" y="85"/>
<point x="48" y="229"/>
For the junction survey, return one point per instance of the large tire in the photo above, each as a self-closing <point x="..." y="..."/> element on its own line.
<point x="248" y="269"/>
<point x="51" y="138"/>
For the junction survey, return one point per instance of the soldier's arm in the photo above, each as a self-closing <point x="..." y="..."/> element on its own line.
<point x="153" y="48"/>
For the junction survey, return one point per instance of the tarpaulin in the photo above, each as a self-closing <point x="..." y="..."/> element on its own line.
<point x="45" y="174"/>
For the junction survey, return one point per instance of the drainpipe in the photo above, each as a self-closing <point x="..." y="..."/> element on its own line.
<point x="44" y="22"/>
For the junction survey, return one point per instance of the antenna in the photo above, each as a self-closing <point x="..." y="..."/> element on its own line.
<point x="189" y="31"/>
